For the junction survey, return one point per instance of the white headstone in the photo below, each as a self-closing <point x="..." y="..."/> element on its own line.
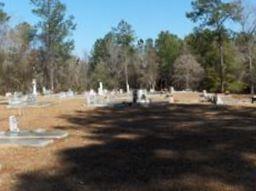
<point x="8" y="94"/>
<point x="171" y="99"/>
<point x="91" y="97"/>
<point x="205" y="94"/>
<point x="105" y="91"/>
<point x="92" y="92"/>
<point x="70" y="93"/>
<point x="172" y="90"/>
<point x="62" y="95"/>
<point x="31" y="99"/>
<point x="13" y="124"/>
<point x="44" y="90"/>
<point x="152" y="90"/>
<point x="142" y="96"/>
<point x="128" y="88"/>
<point x="34" y="87"/>
<point x="219" y="101"/>
<point x="100" y="89"/>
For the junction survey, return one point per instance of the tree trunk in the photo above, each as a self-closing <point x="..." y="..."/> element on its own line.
<point x="221" y="49"/>
<point x="52" y="79"/>
<point x="154" y="85"/>
<point x="187" y="80"/>
<point x="251" y="74"/>
<point x="126" y="79"/>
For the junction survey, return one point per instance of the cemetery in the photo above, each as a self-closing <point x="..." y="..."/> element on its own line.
<point x="163" y="99"/>
<point x="92" y="132"/>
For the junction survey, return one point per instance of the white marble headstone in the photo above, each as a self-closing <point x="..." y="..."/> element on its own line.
<point x="13" y="124"/>
<point x="205" y="94"/>
<point x="128" y="88"/>
<point x="34" y="87"/>
<point x="219" y="101"/>
<point x="171" y="99"/>
<point x="100" y="89"/>
<point x="172" y="90"/>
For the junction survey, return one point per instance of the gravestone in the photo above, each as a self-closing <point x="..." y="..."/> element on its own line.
<point x="171" y="99"/>
<point x="218" y="100"/>
<point x="172" y="90"/>
<point x="62" y="95"/>
<point x="205" y="95"/>
<point x="31" y="99"/>
<point x="152" y="90"/>
<point x="91" y="98"/>
<point x="96" y="100"/>
<point x="34" y="87"/>
<point x="17" y="100"/>
<point x="127" y="88"/>
<point x="36" y="138"/>
<point x="100" y="89"/>
<point x="13" y="124"/>
<point x="142" y="96"/>
<point x="105" y="91"/>
<point x="70" y="93"/>
<point x="8" y="94"/>
<point x="46" y="92"/>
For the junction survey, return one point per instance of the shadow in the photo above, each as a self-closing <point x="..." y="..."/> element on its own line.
<point x="160" y="147"/>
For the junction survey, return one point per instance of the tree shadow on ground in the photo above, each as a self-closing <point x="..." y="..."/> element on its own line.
<point x="160" y="147"/>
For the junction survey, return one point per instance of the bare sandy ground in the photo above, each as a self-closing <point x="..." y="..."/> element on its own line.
<point x="184" y="146"/>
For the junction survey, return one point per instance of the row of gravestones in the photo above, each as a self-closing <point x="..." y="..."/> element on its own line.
<point x="102" y="98"/>
<point x="68" y="94"/>
<point x="216" y="99"/>
<point x="140" y="96"/>
<point x="19" y="99"/>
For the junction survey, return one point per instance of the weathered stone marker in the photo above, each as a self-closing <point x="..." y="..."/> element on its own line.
<point x="172" y="90"/>
<point x="100" y="89"/>
<point x="171" y="99"/>
<point x="34" y="87"/>
<point x="13" y="124"/>
<point x="218" y="100"/>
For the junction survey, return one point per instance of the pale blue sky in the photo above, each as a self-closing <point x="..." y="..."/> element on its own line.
<point x="95" y="18"/>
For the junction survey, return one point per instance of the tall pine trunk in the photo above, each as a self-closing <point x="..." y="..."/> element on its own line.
<point x="52" y="79"/>
<point x="251" y="74"/>
<point x="221" y="51"/>
<point x="126" y="79"/>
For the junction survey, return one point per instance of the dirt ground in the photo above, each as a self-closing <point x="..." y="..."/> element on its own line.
<point x="187" y="146"/>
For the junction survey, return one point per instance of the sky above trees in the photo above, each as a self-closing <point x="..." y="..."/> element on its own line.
<point x="95" y="18"/>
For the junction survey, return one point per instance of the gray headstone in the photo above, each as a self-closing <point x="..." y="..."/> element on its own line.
<point x="31" y="99"/>
<point x="70" y="93"/>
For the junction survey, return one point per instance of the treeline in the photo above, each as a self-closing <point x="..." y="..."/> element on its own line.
<point x="212" y="57"/>
<point x="42" y="51"/>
